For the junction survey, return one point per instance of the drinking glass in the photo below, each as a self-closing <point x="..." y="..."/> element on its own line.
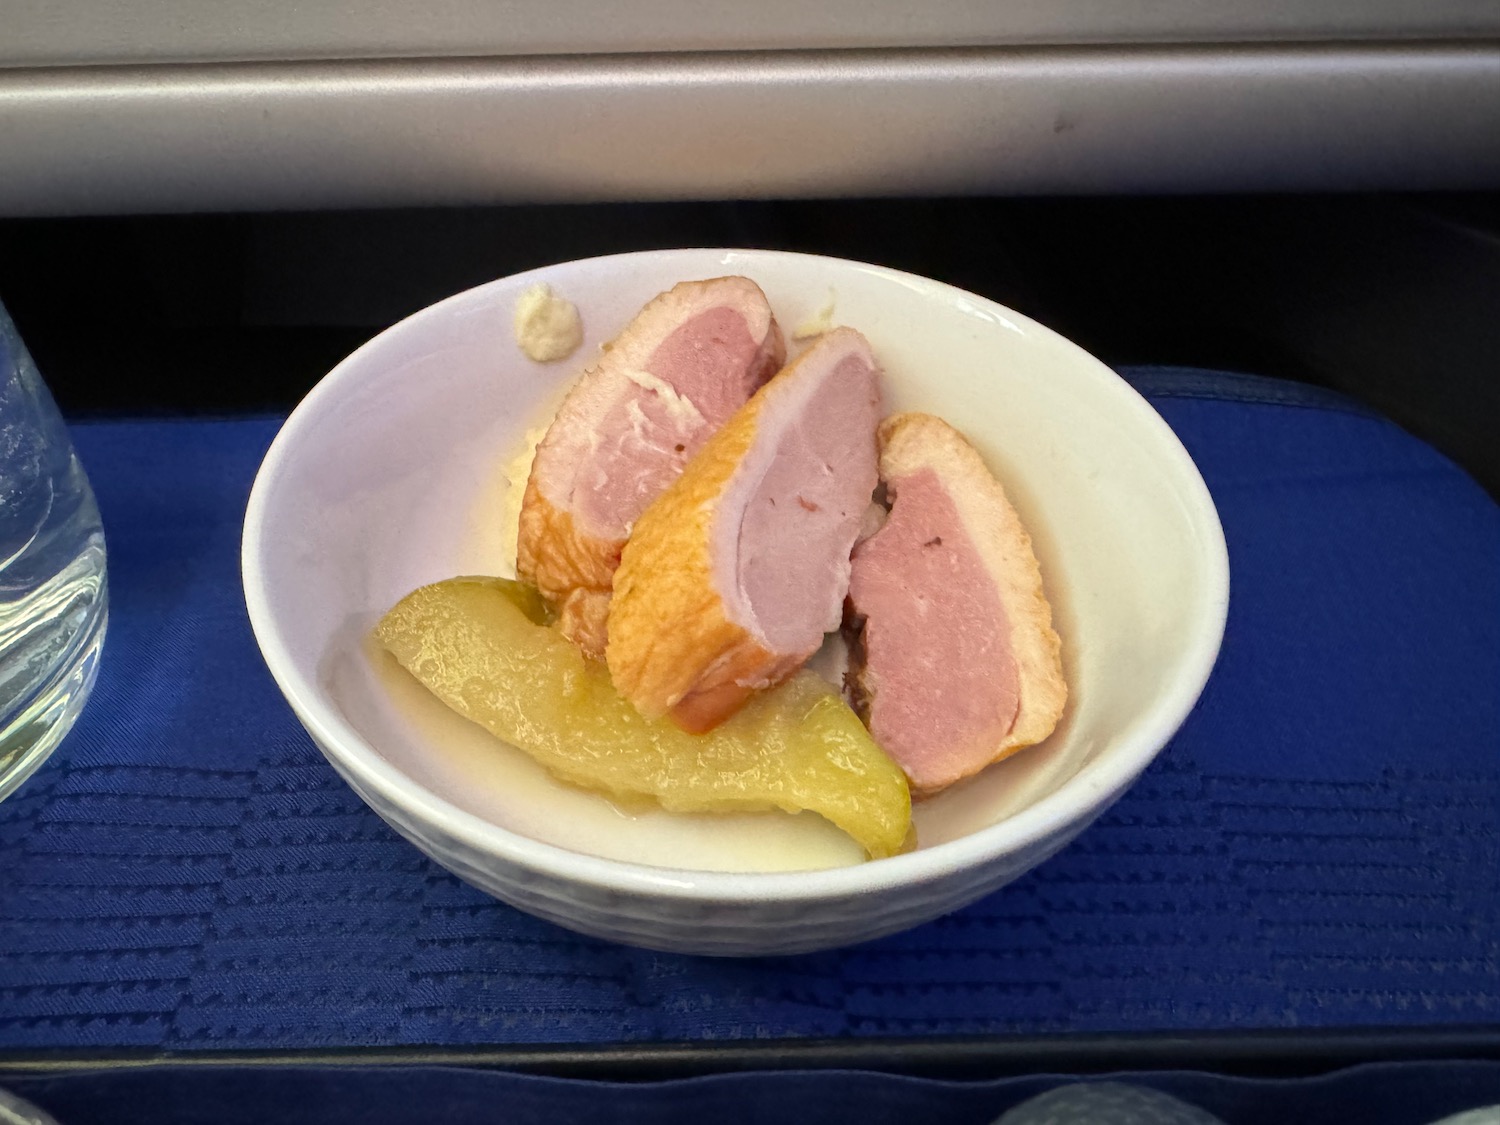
<point x="53" y="595"/>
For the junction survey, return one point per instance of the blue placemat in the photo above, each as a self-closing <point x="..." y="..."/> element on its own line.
<point x="1319" y="846"/>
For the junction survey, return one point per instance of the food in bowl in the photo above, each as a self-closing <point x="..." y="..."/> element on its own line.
<point x="733" y="577"/>
<point x="482" y="647"/>
<point x="548" y="327"/>
<point x="955" y="663"/>
<point x="352" y="510"/>
<point x="696" y="523"/>
<point x="627" y="428"/>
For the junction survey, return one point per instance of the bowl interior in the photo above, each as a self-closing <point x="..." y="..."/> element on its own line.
<point x="398" y="470"/>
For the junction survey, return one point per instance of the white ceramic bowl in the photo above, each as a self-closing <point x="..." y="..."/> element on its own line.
<point x="393" y="473"/>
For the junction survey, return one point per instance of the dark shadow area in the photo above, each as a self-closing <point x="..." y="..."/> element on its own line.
<point x="1390" y="299"/>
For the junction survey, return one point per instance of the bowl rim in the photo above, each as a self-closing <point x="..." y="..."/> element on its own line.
<point x="1070" y="806"/>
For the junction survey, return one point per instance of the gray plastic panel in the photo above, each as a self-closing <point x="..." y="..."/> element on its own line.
<point x="63" y="32"/>
<point x="388" y="133"/>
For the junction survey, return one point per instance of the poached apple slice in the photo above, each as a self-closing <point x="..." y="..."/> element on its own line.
<point x="478" y="645"/>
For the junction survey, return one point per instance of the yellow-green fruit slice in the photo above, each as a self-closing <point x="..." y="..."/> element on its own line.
<point x="475" y="644"/>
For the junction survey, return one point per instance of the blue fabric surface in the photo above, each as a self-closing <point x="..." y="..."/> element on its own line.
<point x="1385" y="1094"/>
<point x="1320" y="845"/>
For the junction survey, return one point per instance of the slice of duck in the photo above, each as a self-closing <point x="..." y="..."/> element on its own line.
<point x="955" y="663"/>
<point x="734" y="575"/>
<point x="626" y="429"/>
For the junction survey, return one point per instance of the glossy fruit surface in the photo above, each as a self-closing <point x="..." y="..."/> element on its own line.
<point x="477" y="644"/>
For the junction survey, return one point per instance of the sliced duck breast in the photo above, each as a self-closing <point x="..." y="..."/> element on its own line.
<point x="626" y="429"/>
<point x="955" y="663"/>
<point x="734" y="575"/>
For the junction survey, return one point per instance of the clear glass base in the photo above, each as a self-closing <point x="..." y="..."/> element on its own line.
<point x="57" y="657"/>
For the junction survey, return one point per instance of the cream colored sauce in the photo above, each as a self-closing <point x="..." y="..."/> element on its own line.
<point x="548" y="327"/>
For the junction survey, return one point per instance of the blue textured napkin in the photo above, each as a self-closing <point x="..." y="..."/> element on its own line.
<point x="1320" y="845"/>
